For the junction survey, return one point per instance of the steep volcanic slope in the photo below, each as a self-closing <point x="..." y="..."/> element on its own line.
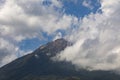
<point x="39" y="66"/>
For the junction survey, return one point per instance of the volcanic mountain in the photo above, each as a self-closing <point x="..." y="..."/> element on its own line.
<point x="38" y="65"/>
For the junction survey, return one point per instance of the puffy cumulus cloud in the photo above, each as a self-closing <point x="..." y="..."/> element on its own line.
<point x="96" y="40"/>
<point x="23" y="19"/>
<point x="7" y="52"/>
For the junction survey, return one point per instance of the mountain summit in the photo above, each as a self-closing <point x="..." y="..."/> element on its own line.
<point x="39" y="66"/>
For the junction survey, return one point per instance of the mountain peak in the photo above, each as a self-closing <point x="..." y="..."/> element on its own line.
<point x="39" y="66"/>
<point x="53" y="47"/>
<point x="60" y="40"/>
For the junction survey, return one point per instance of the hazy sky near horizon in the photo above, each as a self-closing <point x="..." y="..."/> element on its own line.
<point x="92" y="25"/>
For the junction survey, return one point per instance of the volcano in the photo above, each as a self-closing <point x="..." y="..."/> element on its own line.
<point x="39" y="65"/>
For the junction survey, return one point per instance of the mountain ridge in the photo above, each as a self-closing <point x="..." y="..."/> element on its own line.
<point x="39" y="66"/>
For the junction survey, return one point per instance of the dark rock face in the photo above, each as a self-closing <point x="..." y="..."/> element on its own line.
<point x="39" y="66"/>
<point x="53" y="47"/>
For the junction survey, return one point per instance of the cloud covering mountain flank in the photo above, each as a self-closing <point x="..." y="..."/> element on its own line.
<point x="96" y="40"/>
<point x="95" y="36"/>
<point x="28" y="19"/>
<point x="5" y="52"/>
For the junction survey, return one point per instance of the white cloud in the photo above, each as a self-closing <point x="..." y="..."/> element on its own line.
<point x="96" y="40"/>
<point x="7" y="52"/>
<point x="58" y="36"/>
<point x="27" y="19"/>
<point x="88" y="4"/>
<point x="23" y="19"/>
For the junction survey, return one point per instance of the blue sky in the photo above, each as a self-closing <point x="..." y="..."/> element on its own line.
<point x="78" y="9"/>
<point x="92" y="25"/>
<point x="26" y="25"/>
<point x="70" y="7"/>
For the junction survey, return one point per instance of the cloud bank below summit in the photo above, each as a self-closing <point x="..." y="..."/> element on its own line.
<point x="95" y="36"/>
<point x="28" y="19"/>
<point x="96" y="40"/>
